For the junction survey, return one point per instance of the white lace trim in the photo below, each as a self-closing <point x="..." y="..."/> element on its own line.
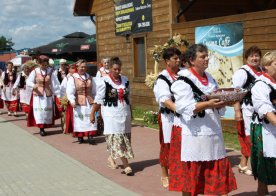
<point x="202" y="148"/>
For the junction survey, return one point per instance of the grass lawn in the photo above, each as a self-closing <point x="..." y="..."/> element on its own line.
<point x="230" y="136"/>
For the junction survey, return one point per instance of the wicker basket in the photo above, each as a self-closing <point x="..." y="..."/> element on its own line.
<point x="228" y="94"/>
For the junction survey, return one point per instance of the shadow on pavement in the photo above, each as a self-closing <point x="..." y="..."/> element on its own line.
<point x="140" y="166"/>
<point x="49" y="133"/>
<point x="56" y="126"/>
<point x="100" y="139"/>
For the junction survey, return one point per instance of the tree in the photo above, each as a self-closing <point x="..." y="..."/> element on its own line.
<point x="6" y="44"/>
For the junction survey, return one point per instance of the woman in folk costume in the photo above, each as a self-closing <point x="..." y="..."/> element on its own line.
<point x="81" y="90"/>
<point x="68" y="113"/>
<point x="25" y="92"/>
<point x="9" y="96"/>
<point x="62" y="71"/>
<point x="45" y="85"/>
<point x="263" y="126"/>
<point x="104" y="70"/>
<point x="164" y="98"/>
<point x="244" y="78"/>
<point x="113" y="96"/>
<point x="198" y="162"/>
<point x="1" y="87"/>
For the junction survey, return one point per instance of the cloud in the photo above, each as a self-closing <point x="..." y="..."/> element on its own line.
<point x="31" y="23"/>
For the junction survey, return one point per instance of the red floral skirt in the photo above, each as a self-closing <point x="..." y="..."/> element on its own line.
<point x="25" y="107"/>
<point x="12" y="106"/>
<point x="164" y="148"/>
<point x="205" y="177"/>
<point x="69" y="119"/>
<point x="243" y="139"/>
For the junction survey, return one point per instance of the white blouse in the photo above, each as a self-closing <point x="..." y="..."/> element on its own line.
<point x="63" y="85"/>
<point x="201" y="137"/>
<point x="239" y="79"/>
<point x="162" y="93"/>
<point x="162" y="90"/>
<point x="262" y="105"/>
<point x="99" y="72"/>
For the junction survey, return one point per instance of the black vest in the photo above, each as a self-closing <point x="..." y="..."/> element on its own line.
<point x="272" y="97"/>
<point x="247" y="100"/>
<point x="111" y="95"/>
<point x="59" y="75"/>
<point x="199" y="96"/>
<point x="22" y="81"/>
<point x="164" y="110"/>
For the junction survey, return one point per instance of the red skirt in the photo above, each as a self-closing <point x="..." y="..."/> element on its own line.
<point x="12" y="106"/>
<point x="164" y="148"/>
<point x="25" y="107"/>
<point x="31" y="120"/>
<point x="58" y="109"/>
<point x="243" y="139"/>
<point x="205" y="177"/>
<point x="85" y="134"/>
<point x="1" y="103"/>
<point x="69" y="119"/>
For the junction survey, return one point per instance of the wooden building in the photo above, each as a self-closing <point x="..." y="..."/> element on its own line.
<point x="169" y="17"/>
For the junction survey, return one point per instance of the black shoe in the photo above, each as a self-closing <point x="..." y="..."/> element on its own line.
<point x="91" y="140"/>
<point x="42" y="132"/>
<point x="80" y="140"/>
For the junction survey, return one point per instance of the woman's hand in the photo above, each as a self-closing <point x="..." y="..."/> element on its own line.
<point x="92" y="117"/>
<point x="216" y="103"/>
<point x="35" y="87"/>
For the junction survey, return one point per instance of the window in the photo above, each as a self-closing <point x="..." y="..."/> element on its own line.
<point x="139" y="57"/>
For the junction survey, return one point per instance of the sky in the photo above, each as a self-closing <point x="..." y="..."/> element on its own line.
<point x="32" y="23"/>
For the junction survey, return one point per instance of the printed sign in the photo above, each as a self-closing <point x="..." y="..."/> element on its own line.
<point x="225" y="46"/>
<point x="132" y="16"/>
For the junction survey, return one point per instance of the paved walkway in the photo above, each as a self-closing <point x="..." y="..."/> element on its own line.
<point x="29" y="166"/>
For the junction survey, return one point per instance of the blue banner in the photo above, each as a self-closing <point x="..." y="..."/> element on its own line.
<point x="225" y="46"/>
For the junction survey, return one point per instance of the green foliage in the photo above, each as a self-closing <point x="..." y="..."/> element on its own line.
<point x="150" y="117"/>
<point x="6" y="44"/>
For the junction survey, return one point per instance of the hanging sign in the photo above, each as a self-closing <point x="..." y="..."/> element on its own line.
<point x="132" y="16"/>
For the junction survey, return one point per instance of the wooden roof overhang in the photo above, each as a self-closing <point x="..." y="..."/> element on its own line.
<point x="190" y="10"/>
<point x="83" y="8"/>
